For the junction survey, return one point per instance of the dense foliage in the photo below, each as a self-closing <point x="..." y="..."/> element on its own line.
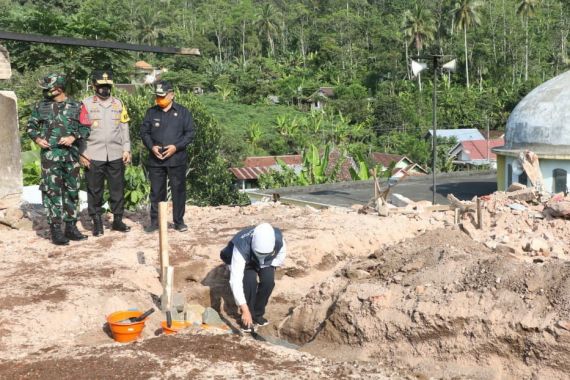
<point x="258" y="53"/>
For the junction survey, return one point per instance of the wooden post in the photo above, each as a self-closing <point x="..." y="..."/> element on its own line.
<point x="373" y="171"/>
<point x="166" y="299"/>
<point x="456" y="216"/>
<point x="163" y="238"/>
<point x="479" y="215"/>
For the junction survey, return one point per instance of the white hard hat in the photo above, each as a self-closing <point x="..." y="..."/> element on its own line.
<point x="263" y="241"/>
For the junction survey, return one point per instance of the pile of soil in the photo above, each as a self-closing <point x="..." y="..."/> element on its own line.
<point x="442" y="305"/>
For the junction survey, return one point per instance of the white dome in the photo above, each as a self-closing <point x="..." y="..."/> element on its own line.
<point x="541" y="121"/>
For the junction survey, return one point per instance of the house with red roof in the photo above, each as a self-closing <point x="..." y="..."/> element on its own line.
<point x="476" y="152"/>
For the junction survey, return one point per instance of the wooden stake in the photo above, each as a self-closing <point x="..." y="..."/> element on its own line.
<point x="373" y="171"/>
<point x="479" y="214"/>
<point x="456" y="217"/>
<point x="163" y="238"/>
<point x="166" y="299"/>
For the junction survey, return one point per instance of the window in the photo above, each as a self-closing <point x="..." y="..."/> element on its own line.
<point x="523" y="179"/>
<point x="559" y="180"/>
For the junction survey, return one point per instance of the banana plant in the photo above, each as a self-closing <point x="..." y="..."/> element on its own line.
<point x="363" y="169"/>
<point x="314" y="166"/>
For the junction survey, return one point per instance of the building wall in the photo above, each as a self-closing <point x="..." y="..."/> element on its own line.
<point x="547" y="168"/>
<point x="501" y="173"/>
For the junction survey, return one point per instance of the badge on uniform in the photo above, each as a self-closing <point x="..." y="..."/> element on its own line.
<point x="175" y="113"/>
<point x="95" y="124"/>
<point x="157" y="125"/>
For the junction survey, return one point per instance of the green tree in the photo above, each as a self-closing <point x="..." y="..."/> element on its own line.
<point x="466" y="14"/>
<point x="266" y="23"/>
<point x="419" y="29"/>
<point x="525" y="10"/>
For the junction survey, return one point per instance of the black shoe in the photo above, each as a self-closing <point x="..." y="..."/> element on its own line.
<point x="97" y="226"/>
<point x="57" y="237"/>
<point x="181" y="227"/>
<point x="260" y="321"/>
<point x="119" y="225"/>
<point x="72" y="233"/>
<point x="151" y="227"/>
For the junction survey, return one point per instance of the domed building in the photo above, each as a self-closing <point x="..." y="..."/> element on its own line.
<point x="539" y="123"/>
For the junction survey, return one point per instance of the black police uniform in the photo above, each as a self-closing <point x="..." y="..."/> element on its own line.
<point x="173" y="127"/>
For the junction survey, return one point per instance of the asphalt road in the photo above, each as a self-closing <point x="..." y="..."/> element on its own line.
<point x="464" y="185"/>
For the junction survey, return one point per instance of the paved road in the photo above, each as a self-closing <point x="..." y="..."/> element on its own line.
<point x="464" y="185"/>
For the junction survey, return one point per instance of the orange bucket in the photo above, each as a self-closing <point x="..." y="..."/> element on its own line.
<point x="174" y="327"/>
<point x="125" y="331"/>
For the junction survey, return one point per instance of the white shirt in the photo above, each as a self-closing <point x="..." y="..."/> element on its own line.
<point x="237" y="269"/>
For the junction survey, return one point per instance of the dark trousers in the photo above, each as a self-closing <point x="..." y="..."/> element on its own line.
<point x="95" y="176"/>
<point x="176" y="176"/>
<point x="257" y="295"/>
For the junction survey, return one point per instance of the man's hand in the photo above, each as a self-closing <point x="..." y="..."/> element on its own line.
<point x="156" y="151"/>
<point x="126" y="158"/>
<point x="169" y="150"/>
<point x="84" y="160"/>
<point x="246" y="316"/>
<point x="42" y="143"/>
<point x="66" y="141"/>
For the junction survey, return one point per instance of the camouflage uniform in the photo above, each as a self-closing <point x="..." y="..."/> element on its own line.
<point x="51" y="120"/>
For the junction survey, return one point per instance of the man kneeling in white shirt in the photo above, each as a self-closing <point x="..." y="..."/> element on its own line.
<point x="254" y="252"/>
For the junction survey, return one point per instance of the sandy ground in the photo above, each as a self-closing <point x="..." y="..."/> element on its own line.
<point x="405" y="296"/>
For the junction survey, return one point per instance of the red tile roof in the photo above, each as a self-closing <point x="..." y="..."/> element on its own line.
<point x="385" y="159"/>
<point x="477" y="149"/>
<point x="253" y="167"/>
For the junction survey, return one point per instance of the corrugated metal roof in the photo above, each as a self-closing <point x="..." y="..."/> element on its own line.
<point x="477" y="150"/>
<point x="459" y="134"/>
<point x="265" y="161"/>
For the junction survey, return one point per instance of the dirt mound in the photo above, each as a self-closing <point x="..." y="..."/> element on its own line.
<point x="443" y="304"/>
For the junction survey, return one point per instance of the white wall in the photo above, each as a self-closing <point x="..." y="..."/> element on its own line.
<point x="546" y="167"/>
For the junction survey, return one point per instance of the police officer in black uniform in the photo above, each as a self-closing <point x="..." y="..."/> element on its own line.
<point x="167" y="130"/>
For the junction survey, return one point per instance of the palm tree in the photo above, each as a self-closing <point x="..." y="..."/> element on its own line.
<point x="267" y="25"/>
<point x="419" y="28"/>
<point x="466" y="14"/>
<point x="526" y="9"/>
<point x="149" y="25"/>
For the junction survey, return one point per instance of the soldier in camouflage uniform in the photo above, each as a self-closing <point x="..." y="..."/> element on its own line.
<point x="54" y="126"/>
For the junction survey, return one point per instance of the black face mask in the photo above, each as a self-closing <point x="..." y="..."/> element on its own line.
<point x="103" y="91"/>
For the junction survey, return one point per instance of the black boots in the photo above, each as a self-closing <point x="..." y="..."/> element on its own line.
<point x="72" y="233"/>
<point x="97" y="225"/>
<point x="119" y="225"/>
<point x="57" y="236"/>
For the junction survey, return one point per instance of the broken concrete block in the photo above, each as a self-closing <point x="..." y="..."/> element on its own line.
<point x="399" y="200"/>
<point x="516" y="187"/>
<point x="212" y="318"/>
<point x="537" y="245"/>
<point x="357" y="274"/>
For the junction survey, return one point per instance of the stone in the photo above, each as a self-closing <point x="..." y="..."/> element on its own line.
<point x="212" y="318"/>
<point x="11" y="181"/>
<point x="491" y="244"/>
<point x="537" y="245"/>
<point x="357" y="274"/>
<point x="420" y="289"/>
<point x="14" y="213"/>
